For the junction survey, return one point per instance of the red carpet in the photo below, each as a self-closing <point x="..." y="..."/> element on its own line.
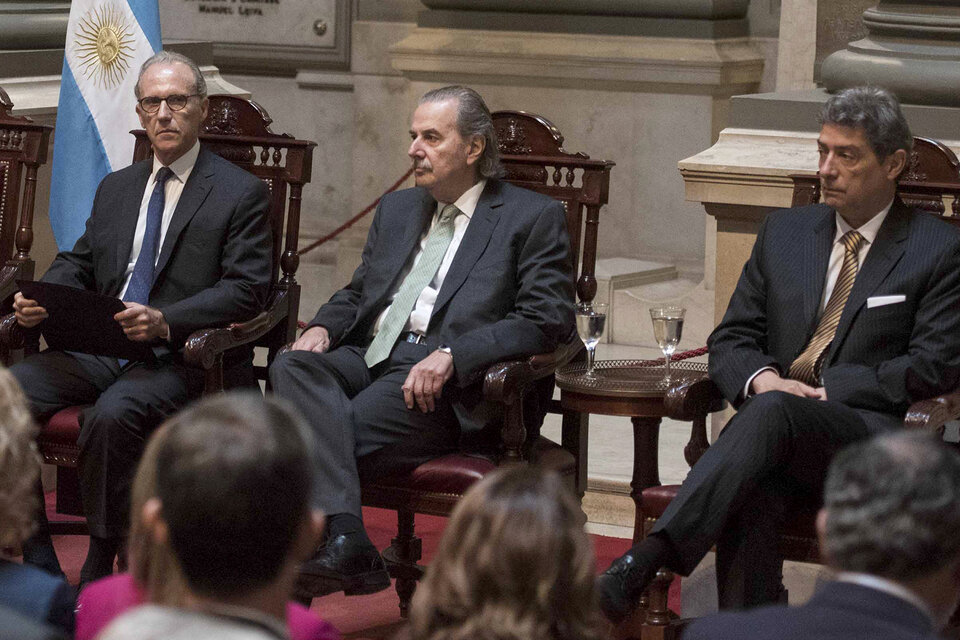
<point x="373" y="616"/>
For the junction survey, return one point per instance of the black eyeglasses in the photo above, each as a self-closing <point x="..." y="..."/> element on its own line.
<point x="176" y="102"/>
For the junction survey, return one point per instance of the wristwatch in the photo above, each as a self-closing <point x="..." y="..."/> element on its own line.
<point x="446" y="349"/>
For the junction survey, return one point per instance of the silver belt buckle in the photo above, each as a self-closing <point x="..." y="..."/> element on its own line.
<point x="415" y="338"/>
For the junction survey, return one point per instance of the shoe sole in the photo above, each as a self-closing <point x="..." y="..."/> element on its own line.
<point x="358" y="585"/>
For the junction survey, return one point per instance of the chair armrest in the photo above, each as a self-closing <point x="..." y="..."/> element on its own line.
<point x="692" y="399"/>
<point x="931" y="414"/>
<point x="203" y="348"/>
<point x="507" y="381"/>
<point x="13" y="337"/>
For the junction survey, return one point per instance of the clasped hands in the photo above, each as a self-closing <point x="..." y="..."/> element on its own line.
<point x="771" y="381"/>
<point x="424" y="383"/>
<point x="139" y="322"/>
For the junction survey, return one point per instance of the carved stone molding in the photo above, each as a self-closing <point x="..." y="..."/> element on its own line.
<point x="702" y="66"/>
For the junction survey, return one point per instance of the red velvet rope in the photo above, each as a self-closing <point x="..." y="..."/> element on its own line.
<point x="349" y="223"/>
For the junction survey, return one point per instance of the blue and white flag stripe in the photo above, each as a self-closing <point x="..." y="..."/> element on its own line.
<point x="107" y="41"/>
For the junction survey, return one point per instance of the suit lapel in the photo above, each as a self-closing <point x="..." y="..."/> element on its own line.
<point x="127" y="222"/>
<point x="194" y="193"/>
<point x="883" y="255"/>
<point x="472" y="245"/>
<point x="816" y="258"/>
<point x="407" y="238"/>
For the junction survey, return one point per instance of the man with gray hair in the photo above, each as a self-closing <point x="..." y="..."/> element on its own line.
<point x="846" y="312"/>
<point x="184" y="241"/>
<point x="888" y="527"/>
<point x="458" y="273"/>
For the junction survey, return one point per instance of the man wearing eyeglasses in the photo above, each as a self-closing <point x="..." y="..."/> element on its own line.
<point x="183" y="239"/>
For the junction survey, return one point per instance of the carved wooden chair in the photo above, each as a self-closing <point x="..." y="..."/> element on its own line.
<point x="238" y="130"/>
<point x="931" y="182"/>
<point x="23" y="148"/>
<point x="534" y="158"/>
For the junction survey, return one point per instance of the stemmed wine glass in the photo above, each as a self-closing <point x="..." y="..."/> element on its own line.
<point x="667" y="328"/>
<point x="591" y="317"/>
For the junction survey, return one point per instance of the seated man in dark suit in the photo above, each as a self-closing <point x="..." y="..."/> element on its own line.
<point x="233" y="484"/>
<point x="845" y="314"/>
<point x="458" y="273"/>
<point x="184" y="241"/>
<point x="889" y="528"/>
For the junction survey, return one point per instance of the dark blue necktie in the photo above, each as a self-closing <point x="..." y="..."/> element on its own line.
<point x="141" y="281"/>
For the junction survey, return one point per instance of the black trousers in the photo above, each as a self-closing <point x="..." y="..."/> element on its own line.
<point x="361" y="426"/>
<point x="774" y="451"/>
<point x="128" y="405"/>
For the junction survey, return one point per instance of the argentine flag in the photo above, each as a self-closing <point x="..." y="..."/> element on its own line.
<point x="107" y="41"/>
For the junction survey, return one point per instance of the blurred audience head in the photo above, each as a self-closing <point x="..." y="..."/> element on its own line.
<point x="233" y="481"/>
<point x="892" y="510"/>
<point x="19" y="464"/>
<point x="514" y="562"/>
<point x="152" y="562"/>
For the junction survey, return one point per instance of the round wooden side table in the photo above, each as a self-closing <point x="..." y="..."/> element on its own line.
<point x="636" y="388"/>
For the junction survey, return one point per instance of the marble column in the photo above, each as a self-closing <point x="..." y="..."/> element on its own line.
<point x="912" y="48"/>
<point x="33" y="24"/>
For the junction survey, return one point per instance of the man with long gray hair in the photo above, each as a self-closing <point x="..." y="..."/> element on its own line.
<point x="888" y="527"/>
<point x="846" y="312"/>
<point x="458" y="273"/>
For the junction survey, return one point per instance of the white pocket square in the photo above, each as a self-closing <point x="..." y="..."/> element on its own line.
<point x="879" y="301"/>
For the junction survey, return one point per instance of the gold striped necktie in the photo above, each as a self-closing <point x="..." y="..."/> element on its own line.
<point x="806" y="368"/>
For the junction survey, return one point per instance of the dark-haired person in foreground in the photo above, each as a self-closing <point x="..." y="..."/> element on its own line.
<point x="233" y="484"/>
<point x="846" y="312"/>
<point x="460" y="272"/>
<point x="888" y="527"/>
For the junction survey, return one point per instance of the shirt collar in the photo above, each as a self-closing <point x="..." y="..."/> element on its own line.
<point x="182" y="166"/>
<point x="467" y="202"/>
<point x="889" y="587"/>
<point x="868" y="229"/>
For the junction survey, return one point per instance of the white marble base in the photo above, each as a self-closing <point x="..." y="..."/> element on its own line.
<point x="615" y="274"/>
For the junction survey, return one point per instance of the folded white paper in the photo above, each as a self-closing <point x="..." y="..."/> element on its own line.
<point x="879" y="301"/>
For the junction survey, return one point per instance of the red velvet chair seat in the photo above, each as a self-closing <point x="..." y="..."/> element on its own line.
<point x="58" y="437"/>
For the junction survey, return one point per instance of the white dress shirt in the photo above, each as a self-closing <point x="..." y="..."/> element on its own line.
<point x="181" y="167"/>
<point x="423" y="309"/>
<point x="869" y="232"/>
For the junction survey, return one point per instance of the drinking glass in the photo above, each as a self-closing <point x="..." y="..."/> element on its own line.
<point x="591" y="317"/>
<point x="667" y="328"/>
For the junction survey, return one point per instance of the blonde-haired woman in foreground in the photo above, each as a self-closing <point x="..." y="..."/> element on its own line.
<point x="25" y="590"/>
<point x="514" y="563"/>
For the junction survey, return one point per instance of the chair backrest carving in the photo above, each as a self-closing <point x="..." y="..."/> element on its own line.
<point x="531" y="149"/>
<point x="238" y="130"/>
<point x="930" y="182"/>
<point x="23" y="148"/>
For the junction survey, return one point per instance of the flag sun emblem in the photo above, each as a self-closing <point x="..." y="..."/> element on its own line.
<point x="104" y="41"/>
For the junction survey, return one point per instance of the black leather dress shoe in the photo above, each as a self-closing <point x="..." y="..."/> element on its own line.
<point x="345" y="563"/>
<point x="621" y="586"/>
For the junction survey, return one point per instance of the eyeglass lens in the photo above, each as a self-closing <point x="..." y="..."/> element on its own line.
<point x="175" y="102"/>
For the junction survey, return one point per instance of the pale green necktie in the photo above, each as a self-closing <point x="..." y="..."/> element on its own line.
<point x="413" y="285"/>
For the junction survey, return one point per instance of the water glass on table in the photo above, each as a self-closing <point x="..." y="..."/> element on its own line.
<point x="667" y="329"/>
<point x="591" y="318"/>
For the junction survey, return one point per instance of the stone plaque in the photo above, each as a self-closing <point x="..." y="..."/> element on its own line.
<point x="263" y="34"/>
<point x="838" y="22"/>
